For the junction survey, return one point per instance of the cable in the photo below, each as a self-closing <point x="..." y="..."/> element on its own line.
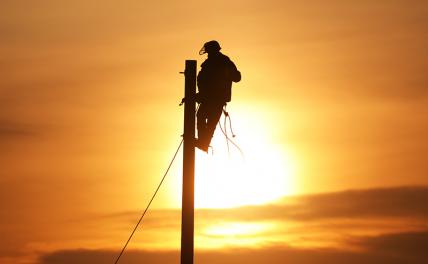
<point x="150" y="202"/>
<point x="231" y="141"/>
<point x="224" y="131"/>
<point x="226" y="114"/>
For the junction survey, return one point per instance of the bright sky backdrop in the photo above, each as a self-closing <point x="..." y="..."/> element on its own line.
<point x="333" y="97"/>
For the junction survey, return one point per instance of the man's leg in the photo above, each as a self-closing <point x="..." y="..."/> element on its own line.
<point x="201" y="120"/>
<point x="207" y="119"/>
<point x="213" y="117"/>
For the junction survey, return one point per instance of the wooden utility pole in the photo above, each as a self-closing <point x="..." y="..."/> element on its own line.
<point x="188" y="196"/>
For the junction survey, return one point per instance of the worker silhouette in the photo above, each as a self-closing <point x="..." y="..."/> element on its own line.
<point x="214" y="91"/>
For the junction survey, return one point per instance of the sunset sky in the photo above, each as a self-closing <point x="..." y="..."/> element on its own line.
<point x="331" y="114"/>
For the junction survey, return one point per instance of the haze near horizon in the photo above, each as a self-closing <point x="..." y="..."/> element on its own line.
<point x="331" y="114"/>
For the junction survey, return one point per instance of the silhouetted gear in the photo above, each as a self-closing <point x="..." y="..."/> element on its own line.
<point x="210" y="47"/>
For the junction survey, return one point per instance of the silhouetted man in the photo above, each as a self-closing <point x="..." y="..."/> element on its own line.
<point x="214" y="86"/>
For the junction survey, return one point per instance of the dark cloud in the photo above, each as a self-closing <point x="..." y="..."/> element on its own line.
<point x="399" y="202"/>
<point x="84" y="256"/>
<point x="349" y="211"/>
<point x="342" y="214"/>
<point x="12" y="129"/>
<point x="412" y="245"/>
<point x="382" y="202"/>
<point x="386" y="202"/>
<point x="383" y="249"/>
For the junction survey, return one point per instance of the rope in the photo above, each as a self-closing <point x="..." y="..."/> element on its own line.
<point x="226" y="114"/>
<point x="150" y="202"/>
<point x="224" y="131"/>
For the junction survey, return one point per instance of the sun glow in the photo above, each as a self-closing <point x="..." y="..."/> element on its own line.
<point x="263" y="174"/>
<point x="235" y="229"/>
<point x="234" y="233"/>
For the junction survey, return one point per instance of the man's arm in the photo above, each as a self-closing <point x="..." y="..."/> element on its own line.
<point x="235" y="75"/>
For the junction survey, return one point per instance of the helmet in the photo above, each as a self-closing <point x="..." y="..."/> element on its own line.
<point x="210" y="46"/>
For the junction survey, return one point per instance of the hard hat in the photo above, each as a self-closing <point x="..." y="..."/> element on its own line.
<point x="210" y="46"/>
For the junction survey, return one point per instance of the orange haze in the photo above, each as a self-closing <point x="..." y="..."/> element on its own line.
<point x="333" y="97"/>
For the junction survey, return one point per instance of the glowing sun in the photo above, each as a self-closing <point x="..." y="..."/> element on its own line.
<point x="262" y="175"/>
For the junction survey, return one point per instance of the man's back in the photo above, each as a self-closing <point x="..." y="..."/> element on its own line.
<point x="216" y="77"/>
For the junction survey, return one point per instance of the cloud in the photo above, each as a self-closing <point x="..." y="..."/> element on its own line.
<point x="375" y="250"/>
<point x="366" y="226"/>
<point x="382" y="202"/>
<point x="9" y="129"/>
<point x="402" y="204"/>
<point x="411" y="245"/>
<point x="13" y="133"/>
<point x="84" y="256"/>
<point x="328" y="220"/>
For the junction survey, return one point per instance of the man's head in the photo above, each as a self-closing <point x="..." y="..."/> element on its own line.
<point x="211" y="47"/>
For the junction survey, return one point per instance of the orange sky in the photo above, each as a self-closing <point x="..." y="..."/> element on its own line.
<point x="333" y="97"/>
